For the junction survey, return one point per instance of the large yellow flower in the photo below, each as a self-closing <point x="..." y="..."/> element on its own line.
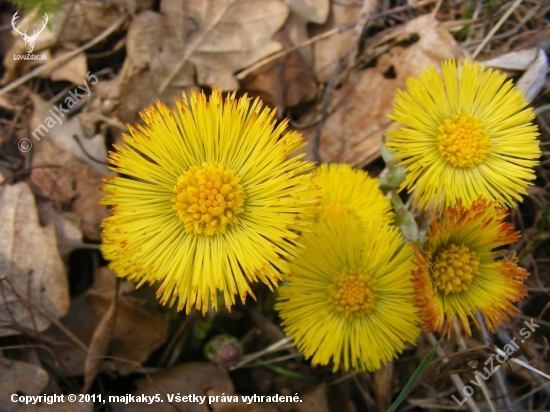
<point x="349" y="297"/>
<point x="350" y="191"/>
<point x="458" y="272"/>
<point x="209" y="200"/>
<point x="467" y="133"/>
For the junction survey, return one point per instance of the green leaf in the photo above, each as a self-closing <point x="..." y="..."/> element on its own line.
<point x="404" y="219"/>
<point x="414" y="378"/>
<point x="44" y="6"/>
<point x="406" y="223"/>
<point x="391" y="178"/>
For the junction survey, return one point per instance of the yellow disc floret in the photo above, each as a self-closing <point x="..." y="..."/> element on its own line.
<point x="208" y="198"/>
<point x="332" y="210"/>
<point x="454" y="269"/>
<point x="463" y="141"/>
<point x="353" y="293"/>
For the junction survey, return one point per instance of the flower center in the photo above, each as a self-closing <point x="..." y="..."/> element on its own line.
<point x="332" y="210"/>
<point x="463" y="141"/>
<point x="353" y="293"/>
<point x="454" y="269"/>
<point x="208" y="198"/>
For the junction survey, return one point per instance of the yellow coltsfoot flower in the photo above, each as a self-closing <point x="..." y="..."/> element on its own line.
<point x="349" y="297"/>
<point x="208" y="200"/>
<point x="346" y="191"/>
<point x="458" y="272"/>
<point x="464" y="133"/>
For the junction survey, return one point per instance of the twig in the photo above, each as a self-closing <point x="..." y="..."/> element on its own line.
<point x="484" y="389"/>
<point x="277" y="346"/>
<point x="324" y="110"/>
<point x="457" y="382"/>
<point x="51" y="318"/>
<point x="499" y="375"/>
<point x="88" y="155"/>
<point x="170" y="347"/>
<point x="65" y="57"/>
<point x="194" y="46"/>
<point x="366" y="11"/>
<point x="496" y="27"/>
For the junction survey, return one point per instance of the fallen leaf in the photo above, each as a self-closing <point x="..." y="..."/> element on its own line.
<point x="157" y="43"/>
<point x="352" y="133"/>
<point x="137" y="332"/>
<point x="382" y="386"/>
<point x="283" y="83"/>
<point x="153" y="50"/>
<point x="303" y="12"/>
<point x="61" y="135"/>
<point x="69" y="183"/>
<point x="535" y="64"/>
<point x="20" y="377"/>
<point x="242" y="36"/>
<point x="83" y="20"/>
<point x="328" y="52"/>
<point x="315" y="400"/>
<point x="193" y="378"/>
<point x="68" y="234"/>
<point x="518" y="60"/>
<point x="32" y="270"/>
<point x="99" y="344"/>
<point x="74" y="71"/>
<point x="80" y="321"/>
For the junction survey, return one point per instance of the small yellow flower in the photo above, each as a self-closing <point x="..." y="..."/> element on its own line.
<point x="465" y="133"/>
<point x="458" y="272"/>
<point x="208" y="200"/>
<point x="349" y="297"/>
<point x="350" y="191"/>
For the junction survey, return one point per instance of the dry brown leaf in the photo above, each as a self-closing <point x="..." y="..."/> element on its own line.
<point x="62" y="134"/>
<point x="83" y="20"/>
<point x="68" y="234"/>
<point x="283" y="83"/>
<point x="535" y="64"/>
<point x="69" y="183"/>
<point x="328" y="52"/>
<point x="242" y="37"/>
<point x="193" y="378"/>
<point x="352" y="134"/>
<point x="158" y="41"/>
<point x="38" y="276"/>
<point x="382" y="386"/>
<point x="73" y="71"/>
<point x="239" y="406"/>
<point x="303" y="12"/>
<point x="315" y="400"/>
<point x="153" y="50"/>
<point x="137" y="332"/>
<point x="99" y="344"/>
<point x="20" y="377"/>
<point x="80" y="321"/>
